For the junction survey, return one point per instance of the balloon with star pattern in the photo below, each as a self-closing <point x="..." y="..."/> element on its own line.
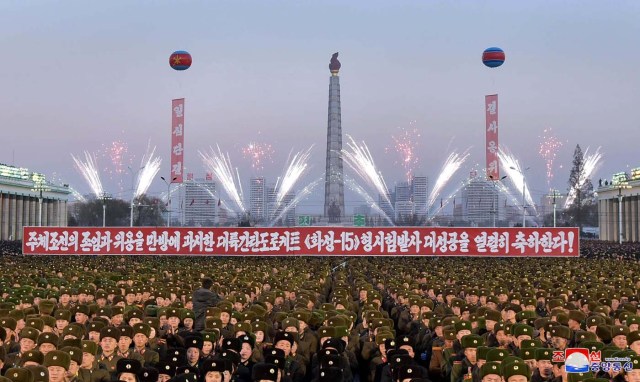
<point x="180" y="60"/>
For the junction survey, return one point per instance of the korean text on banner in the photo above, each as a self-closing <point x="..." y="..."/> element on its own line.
<point x="491" y="110"/>
<point x="177" y="139"/>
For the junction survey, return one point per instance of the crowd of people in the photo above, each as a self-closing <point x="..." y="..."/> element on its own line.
<point x="369" y="319"/>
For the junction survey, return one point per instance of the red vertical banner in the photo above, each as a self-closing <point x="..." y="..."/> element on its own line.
<point x="491" y="134"/>
<point x="177" y="139"/>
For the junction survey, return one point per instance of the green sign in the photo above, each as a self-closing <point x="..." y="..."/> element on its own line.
<point x="304" y="220"/>
<point x="359" y="220"/>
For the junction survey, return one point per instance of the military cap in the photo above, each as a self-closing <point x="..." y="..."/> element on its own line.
<point x="382" y="337"/>
<point x="577" y="315"/>
<point x="496" y="355"/>
<point x="234" y="344"/>
<point x="84" y="309"/>
<point x="471" y="341"/>
<point x="193" y="341"/>
<point x="302" y="315"/>
<point x="633" y="337"/>
<point x="544" y="354"/>
<point x="32" y="356"/>
<point x="142" y="328"/>
<point x="325" y="331"/>
<point x="48" y="338"/>
<point x="214" y="366"/>
<point x="232" y="356"/>
<point x="90" y="347"/>
<point x="582" y="336"/>
<point x="73" y="330"/>
<point x="185" y="369"/>
<point x="528" y="353"/>
<point x="213" y="323"/>
<point x="148" y="374"/>
<point x="166" y="368"/>
<point x="594" y="321"/>
<point x="126" y="365"/>
<point x="57" y="358"/>
<point x="9" y="322"/>
<point x="153" y="322"/>
<point x="619" y="330"/>
<point x="75" y="342"/>
<point x="561" y="331"/>
<point x="408" y="372"/>
<point x="110" y="332"/>
<point x="19" y="374"/>
<point x="449" y="333"/>
<point x="635" y="361"/>
<point x="490" y="368"/>
<point x="514" y="368"/>
<point x="30" y="333"/>
<point x="40" y="373"/>
<point x="249" y="339"/>
<point x="74" y="352"/>
<point x="501" y="326"/>
<point x="521" y="330"/>
<point x="528" y="344"/>
<point x="264" y="371"/>
<point x="46" y="306"/>
<point x="187" y="313"/>
<point x="275" y="356"/>
<point x="35" y="323"/>
<point x="336" y="343"/>
<point x="481" y="352"/>
<point x="243" y="327"/>
<point x="126" y="331"/>
<point x="330" y="360"/>
<point x="104" y="312"/>
<point x="492" y="315"/>
<point x="259" y="326"/>
<point x="463" y="325"/>
<point x="48" y="321"/>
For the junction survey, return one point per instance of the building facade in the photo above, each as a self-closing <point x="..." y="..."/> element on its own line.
<point x="27" y="199"/>
<point x="257" y="199"/>
<point x="619" y="209"/>
<point x="200" y="205"/>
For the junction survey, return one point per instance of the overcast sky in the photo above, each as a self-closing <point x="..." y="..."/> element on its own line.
<point x="79" y="75"/>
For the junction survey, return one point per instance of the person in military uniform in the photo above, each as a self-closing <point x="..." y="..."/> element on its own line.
<point x="124" y="345"/>
<point x="464" y="365"/>
<point x="75" y="355"/>
<point x="246" y="364"/>
<point x="141" y="333"/>
<point x="127" y="370"/>
<point x="90" y="370"/>
<point x="57" y="363"/>
<point x="544" y="368"/>
<point x="293" y="370"/>
<point x="108" y="357"/>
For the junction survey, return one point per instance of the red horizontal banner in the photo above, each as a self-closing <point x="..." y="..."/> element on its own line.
<point x="351" y="241"/>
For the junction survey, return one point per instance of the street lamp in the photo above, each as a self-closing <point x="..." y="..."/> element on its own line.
<point x="524" y="206"/>
<point x="133" y="191"/>
<point x="168" y="197"/>
<point x="39" y="187"/>
<point x="104" y="198"/>
<point x="621" y="185"/>
<point x="554" y="195"/>
<point x="497" y="205"/>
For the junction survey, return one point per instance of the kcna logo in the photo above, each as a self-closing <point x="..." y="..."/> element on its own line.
<point x="577" y="360"/>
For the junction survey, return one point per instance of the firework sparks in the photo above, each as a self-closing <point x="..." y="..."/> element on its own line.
<point x="591" y="164"/>
<point x="359" y="158"/>
<point x="220" y="165"/>
<point x="150" y="166"/>
<point x="258" y="153"/>
<point x="298" y="198"/>
<point x="354" y="186"/>
<point x="298" y="165"/>
<point x="89" y="170"/>
<point x="451" y="165"/>
<point x="515" y="174"/>
<point x="405" y="144"/>
<point x="548" y="149"/>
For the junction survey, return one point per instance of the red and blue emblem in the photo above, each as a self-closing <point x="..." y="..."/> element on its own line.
<point x="493" y="57"/>
<point x="180" y="60"/>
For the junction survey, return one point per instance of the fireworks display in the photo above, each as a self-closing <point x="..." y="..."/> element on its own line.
<point x="591" y="164"/>
<point x="451" y="165"/>
<point x="298" y="165"/>
<point x="548" y="150"/>
<point x="359" y="158"/>
<point x="149" y="168"/>
<point x="515" y="174"/>
<point x="405" y="145"/>
<point x="89" y="171"/>
<point x="220" y="165"/>
<point x="258" y="153"/>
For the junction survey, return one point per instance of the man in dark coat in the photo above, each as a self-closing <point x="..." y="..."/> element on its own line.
<point x="203" y="298"/>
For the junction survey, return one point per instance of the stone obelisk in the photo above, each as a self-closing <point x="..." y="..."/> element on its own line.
<point x="334" y="176"/>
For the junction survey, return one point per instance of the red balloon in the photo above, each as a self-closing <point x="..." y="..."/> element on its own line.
<point x="180" y="60"/>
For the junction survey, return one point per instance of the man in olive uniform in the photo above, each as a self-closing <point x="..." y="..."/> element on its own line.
<point x="109" y="337"/>
<point x="90" y="370"/>
<point x="463" y="368"/>
<point x="141" y="333"/>
<point x="124" y="345"/>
